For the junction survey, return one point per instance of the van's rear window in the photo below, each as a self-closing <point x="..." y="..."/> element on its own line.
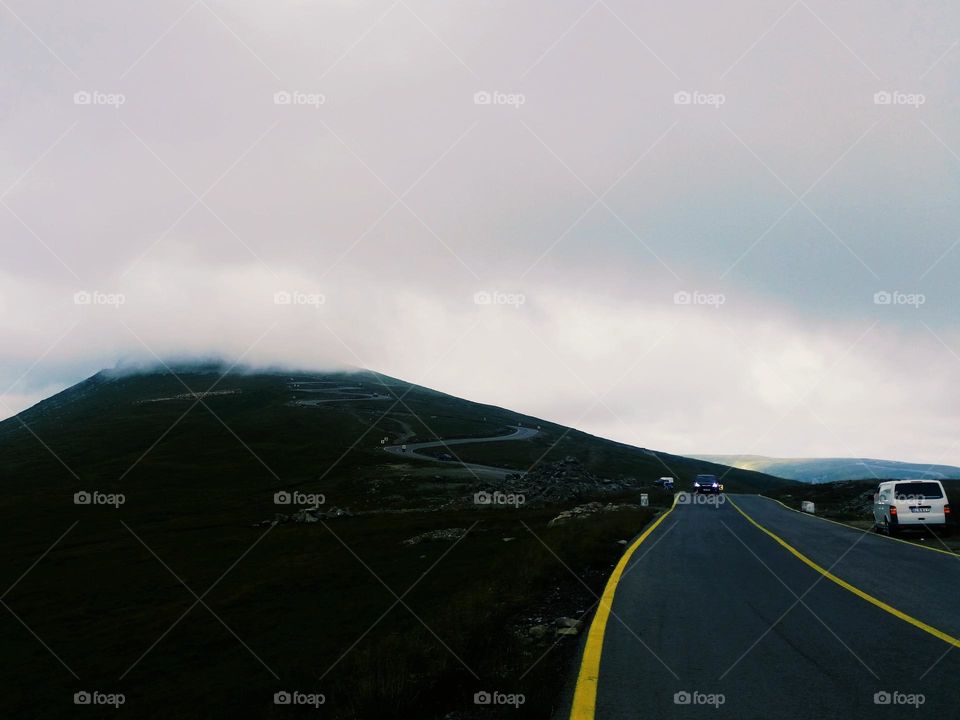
<point x="924" y="490"/>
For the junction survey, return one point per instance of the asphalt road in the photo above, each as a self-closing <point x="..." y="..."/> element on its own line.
<point x="520" y="433"/>
<point x="709" y="603"/>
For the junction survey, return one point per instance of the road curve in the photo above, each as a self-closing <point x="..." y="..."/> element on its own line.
<point x="519" y="433"/>
<point x="762" y="612"/>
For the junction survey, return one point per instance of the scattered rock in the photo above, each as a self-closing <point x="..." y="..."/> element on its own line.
<point x="568" y="622"/>
<point x="582" y="512"/>
<point x="447" y="534"/>
<point x="567" y="631"/>
<point x="556" y="482"/>
<point x="538" y="631"/>
<point x="309" y="515"/>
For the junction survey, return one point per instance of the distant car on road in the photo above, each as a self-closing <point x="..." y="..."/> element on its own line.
<point x="911" y="505"/>
<point x="665" y="482"/>
<point x="707" y="484"/>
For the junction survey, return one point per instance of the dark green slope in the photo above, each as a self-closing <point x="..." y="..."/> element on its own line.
<point x="199" y="485"/>
<point x="102" y="426"/>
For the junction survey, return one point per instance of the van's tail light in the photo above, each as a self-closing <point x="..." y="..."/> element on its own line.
<point x="946" y="509"/>
<point x="893" y="509"/>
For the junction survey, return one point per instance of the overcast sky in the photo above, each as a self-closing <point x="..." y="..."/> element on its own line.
<point x="696" y="227"/>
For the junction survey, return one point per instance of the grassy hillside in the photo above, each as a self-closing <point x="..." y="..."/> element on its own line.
<point x="825" y="470"/>
<point x="293" y="606"/>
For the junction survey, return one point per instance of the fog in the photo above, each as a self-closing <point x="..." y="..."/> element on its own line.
<point x="697" y="229"/>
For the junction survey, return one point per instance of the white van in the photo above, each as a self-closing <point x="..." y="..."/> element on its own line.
<point x="910" y="505"/>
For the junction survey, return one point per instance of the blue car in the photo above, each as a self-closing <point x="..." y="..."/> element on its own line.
<point x="707" y="484"/>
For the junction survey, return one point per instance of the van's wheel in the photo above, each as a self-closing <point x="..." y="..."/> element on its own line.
<point x="891" y="530"/>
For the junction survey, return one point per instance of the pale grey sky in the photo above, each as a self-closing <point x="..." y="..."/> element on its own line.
<point x="700" y="229"/>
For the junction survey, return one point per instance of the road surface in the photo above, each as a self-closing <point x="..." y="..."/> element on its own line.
<point x="712" y="609"/>
<point x="519" y="433"/>
<point x="341" y="393"/>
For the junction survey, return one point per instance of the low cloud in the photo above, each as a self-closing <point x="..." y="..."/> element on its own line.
<point x="723" y="258"/>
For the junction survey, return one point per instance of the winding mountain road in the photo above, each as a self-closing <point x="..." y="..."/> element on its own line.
<point x="410" y="450"/>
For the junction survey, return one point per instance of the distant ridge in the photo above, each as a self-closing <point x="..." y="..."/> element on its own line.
<point x="822" y="470"/>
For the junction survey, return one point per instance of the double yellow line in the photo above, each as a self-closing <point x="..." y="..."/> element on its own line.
<point x="585" y="694"/>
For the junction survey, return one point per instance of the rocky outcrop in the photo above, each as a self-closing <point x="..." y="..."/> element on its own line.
<point x="555" y="482"/>
<point x="447" y="534"/>
<point x="582" y="512"/>
<point x="306" y="516"/>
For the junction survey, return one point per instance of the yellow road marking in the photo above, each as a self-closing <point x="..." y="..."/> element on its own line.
<point x="851" y="527"/>
<point x="585" y="694"/>
<point x="949" y="639"/>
